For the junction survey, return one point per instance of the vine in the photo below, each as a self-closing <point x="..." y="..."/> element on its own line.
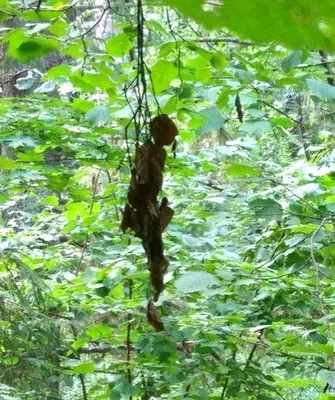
<point x="144" y="214"/>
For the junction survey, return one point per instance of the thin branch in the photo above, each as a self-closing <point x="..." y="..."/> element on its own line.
<point x="225" y="385"/>
<point x="83" y="386"/>
<point x="326" y="388"/>
<point x="223" y="40"/>
<point x="224" y="389"/>
<point x="321" y="64"/>
<point x="92" y="27"/>
<point x="128" y="342"/>
<point x="279" y="111"/>
<point x="38" y="7"/>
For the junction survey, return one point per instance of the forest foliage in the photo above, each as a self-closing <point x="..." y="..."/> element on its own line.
<point x="242" y="305"/>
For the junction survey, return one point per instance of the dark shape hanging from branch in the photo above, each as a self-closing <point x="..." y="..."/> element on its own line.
<point x="154" y="318"/>
<point x="143" y="213"/>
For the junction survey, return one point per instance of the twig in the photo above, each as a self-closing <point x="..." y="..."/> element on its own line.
<point x="321" y="64"/>
<point x="83" y="386"/>
<point x="225" y="385"/>
<point x="39" y="5"/>
<point x="255" y="346"/>
<point x="224" y="389"/>
<point x="129" y="347"/>
<point x="90" y="29"/>
<point x="223" y="40"/>
<point x="279" y="111"/>
<point x="326" y="388"/>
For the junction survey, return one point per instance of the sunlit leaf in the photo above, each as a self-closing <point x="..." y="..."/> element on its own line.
<point x="119" y="45"/>
<point x="195" y="282"/>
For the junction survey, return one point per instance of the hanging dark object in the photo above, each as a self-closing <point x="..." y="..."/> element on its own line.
<point x="239" y="109"/>
<point x="153" y="317"/>
<point x="163" y="130"/>
<point x="144" y="214"/>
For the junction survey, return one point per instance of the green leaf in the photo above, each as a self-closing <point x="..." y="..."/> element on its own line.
<point x="295" y="383"/>
<point x="267" y="208"/>
<point x="77" y="344"/>
<point x="243" y="171"/>
<point x="98" y="331"/>
<point x="328" y="251"/>
<point x="46" y="87"/>
<point x="195" y="282"/>
<point x="321" y="89"/>
<point x="59" y="27"/>
<point x="326" y="396"/>
<point x="25" y="83"/>
<point x="34" y="15"/>
<point x="28" y="49"/>
<point x="256" y="127"/>
<point x="119" y="45"/>
<point x="327" y="376"/>
<point x="162" y="74"/>
<point x="164" y="347"/>
<point x="82" y="84"/>
<point x="99" y="81"/>
<point x="99" y="114"/>
<point x="317" y="337"/>
<point x="314" y="350"/>
<point x="283" y="122"/>
<point x="58" y="71"/>
<point x="295" y="24"/>
<point x="21" y="141"/>
<point x="214" y="120"/>
<point x="84" y="368"/>
<point x="292" y="60"/>
<point x="50" y="201"/>
<point x="307" y="229"/>
<point x="7" y="163"/>
<point x="218" y="61"/>
<point x="74" y="50"/>
<point x="187" y="136"/>
<point x="36" y="28"/>
<point x="124" y="387"/>
<point x="82" y="105"/>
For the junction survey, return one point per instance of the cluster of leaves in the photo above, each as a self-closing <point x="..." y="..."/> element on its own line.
<point x="248" y="304"/>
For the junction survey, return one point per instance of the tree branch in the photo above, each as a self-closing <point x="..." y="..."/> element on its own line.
<point x="223" y="40"/>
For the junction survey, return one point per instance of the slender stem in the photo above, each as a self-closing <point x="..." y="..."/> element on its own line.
<point x="278" y="111"/>
<point x="83" y="386"/>
<point x="224" y="388"/>
<point x="225" y="385"/>
<point x="326" y="388"/>
<point x="254" y="348"/>
<point x="129" y="347"/>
